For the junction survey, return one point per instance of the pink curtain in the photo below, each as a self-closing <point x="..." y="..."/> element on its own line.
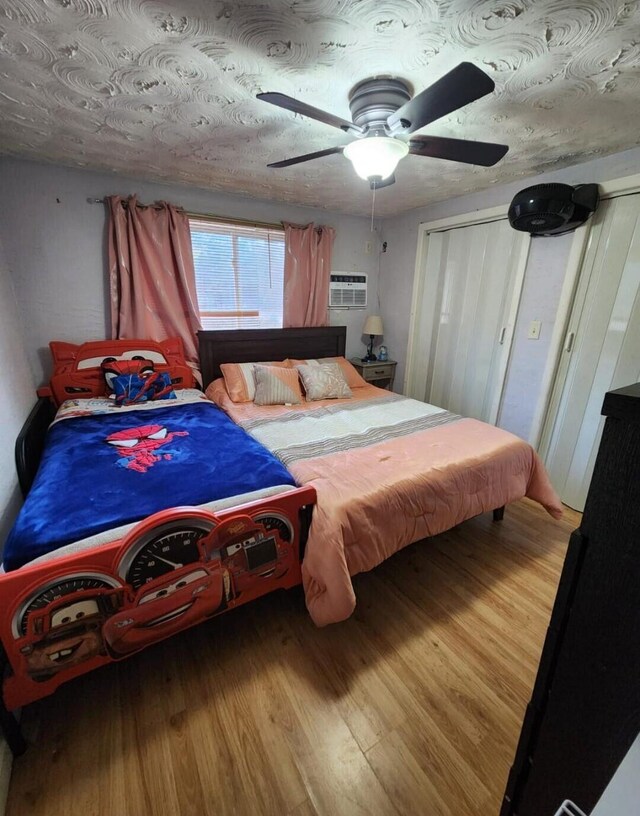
<point x="151" y="275"/>
<point x="307" y="267"/>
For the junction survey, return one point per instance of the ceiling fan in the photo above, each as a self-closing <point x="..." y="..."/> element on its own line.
<point x="384" y="112"/>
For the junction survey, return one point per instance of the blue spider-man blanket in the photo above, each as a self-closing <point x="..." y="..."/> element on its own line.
<point x="104" y="470"/>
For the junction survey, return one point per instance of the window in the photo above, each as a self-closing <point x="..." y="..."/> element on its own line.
<point x="239" y="274"/>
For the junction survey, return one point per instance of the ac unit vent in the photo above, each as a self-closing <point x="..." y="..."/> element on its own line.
<point x="347" y="291"/>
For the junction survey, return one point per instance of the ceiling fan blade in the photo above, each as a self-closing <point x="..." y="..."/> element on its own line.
<point x="484" y="153"/>
<point x="376" y="185"/>
<point x="289" y="103"/>
<point x="454" y="90"/>
<point x="306" y="157"/>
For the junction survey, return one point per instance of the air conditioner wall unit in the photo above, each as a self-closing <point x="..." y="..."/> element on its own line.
<point x="348" y="290"/>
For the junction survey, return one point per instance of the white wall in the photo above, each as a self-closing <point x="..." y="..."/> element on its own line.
<point x="55" y="243"/>
<point x="543" y="280"/>
<point x="17" y="397"/>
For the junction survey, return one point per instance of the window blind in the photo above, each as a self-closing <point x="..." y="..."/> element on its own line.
<point x="239" y="274"/>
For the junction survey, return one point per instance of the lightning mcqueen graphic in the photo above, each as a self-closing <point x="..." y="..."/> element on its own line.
<point x="190" y="595"/>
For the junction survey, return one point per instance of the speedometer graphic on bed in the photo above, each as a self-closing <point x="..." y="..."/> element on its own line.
<point x="274" y="521"/>
<point x="165" y="548"/>
<point x="56" y="589"/>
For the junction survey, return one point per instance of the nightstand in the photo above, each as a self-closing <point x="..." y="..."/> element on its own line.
<point x="377" y="373"/>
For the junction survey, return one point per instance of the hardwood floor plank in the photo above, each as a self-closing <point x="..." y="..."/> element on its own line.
<point x="337" y="776"/>
<point x="503" y="646"/>
<point x="412" y="706"/>
<point x="365" y="692"/>
<point x="305" y="809"/>
<point x="460" y="701"/>
<point x="410" y="788"/>
<point x="238" y="694"/>
<point x="447" y="767"/>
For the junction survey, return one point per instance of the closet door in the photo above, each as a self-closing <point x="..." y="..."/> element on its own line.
<point x="466" y="301"/>
<point x="602" y="347"/>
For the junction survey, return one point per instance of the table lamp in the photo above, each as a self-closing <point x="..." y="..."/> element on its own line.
<point x="372" y="327"/>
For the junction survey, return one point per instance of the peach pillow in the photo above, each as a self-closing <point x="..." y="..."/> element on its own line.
<point x="239" y="379"/>
<point x="354" y="380"/>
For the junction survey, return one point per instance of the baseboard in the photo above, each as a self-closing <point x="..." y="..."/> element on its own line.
<point x="6" y="761"/>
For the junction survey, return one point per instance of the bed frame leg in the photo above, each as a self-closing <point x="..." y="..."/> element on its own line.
<point x="11" y="731"/>
<point x="9" y="725"/>
<point x="498" y="513"/>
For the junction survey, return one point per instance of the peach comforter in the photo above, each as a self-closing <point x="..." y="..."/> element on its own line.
<point x="388" y="471"/>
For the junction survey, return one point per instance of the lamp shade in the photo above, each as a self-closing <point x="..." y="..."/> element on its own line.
<point x="373" y="325"/>
<point x="375" y="156"/>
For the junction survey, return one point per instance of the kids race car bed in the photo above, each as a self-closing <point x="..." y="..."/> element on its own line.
<point x="144" y="518"/>
<point x="387" y="470"/>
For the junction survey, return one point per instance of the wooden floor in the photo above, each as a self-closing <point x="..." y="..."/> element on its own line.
<point x="411" y="708"/>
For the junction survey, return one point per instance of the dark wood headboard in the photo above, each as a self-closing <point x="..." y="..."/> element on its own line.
<point x="253" y="345"/>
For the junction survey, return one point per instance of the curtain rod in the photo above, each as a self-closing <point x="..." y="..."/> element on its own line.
<point x="243" y="222"/>
<point x="124" y="203"/>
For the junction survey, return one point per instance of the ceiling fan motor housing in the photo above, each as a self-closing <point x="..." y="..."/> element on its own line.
<point x="553" y="209"/>
<point x="373" y="100"/>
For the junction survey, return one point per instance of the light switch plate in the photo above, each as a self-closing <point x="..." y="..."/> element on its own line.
<point x="534" y="330"/>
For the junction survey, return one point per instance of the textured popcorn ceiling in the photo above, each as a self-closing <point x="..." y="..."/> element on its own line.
<point x="166" y="90"/>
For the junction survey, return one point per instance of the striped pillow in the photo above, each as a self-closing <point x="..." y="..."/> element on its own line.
<point x="276" y="386"/>
<point x="353" y="379"/>
<point x="324" y="382"/>
<point x="240" y="381"/>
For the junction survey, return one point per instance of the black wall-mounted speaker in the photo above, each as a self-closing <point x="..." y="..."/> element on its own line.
<point x="553" y="209"/>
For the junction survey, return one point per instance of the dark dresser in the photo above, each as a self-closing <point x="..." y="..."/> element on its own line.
<point x="584" y="712"/>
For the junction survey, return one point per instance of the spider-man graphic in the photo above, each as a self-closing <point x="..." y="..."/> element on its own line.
<point x="136" y="446"/>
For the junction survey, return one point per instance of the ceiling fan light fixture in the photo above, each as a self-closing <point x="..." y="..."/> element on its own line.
<point x="376" y="156"/>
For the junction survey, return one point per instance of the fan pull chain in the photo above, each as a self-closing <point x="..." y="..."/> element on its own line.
<point x="373" y="205"/>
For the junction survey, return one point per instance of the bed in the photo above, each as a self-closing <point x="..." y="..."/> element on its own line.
<point x="387" y="470"/>
<point x="141" y="520"/>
